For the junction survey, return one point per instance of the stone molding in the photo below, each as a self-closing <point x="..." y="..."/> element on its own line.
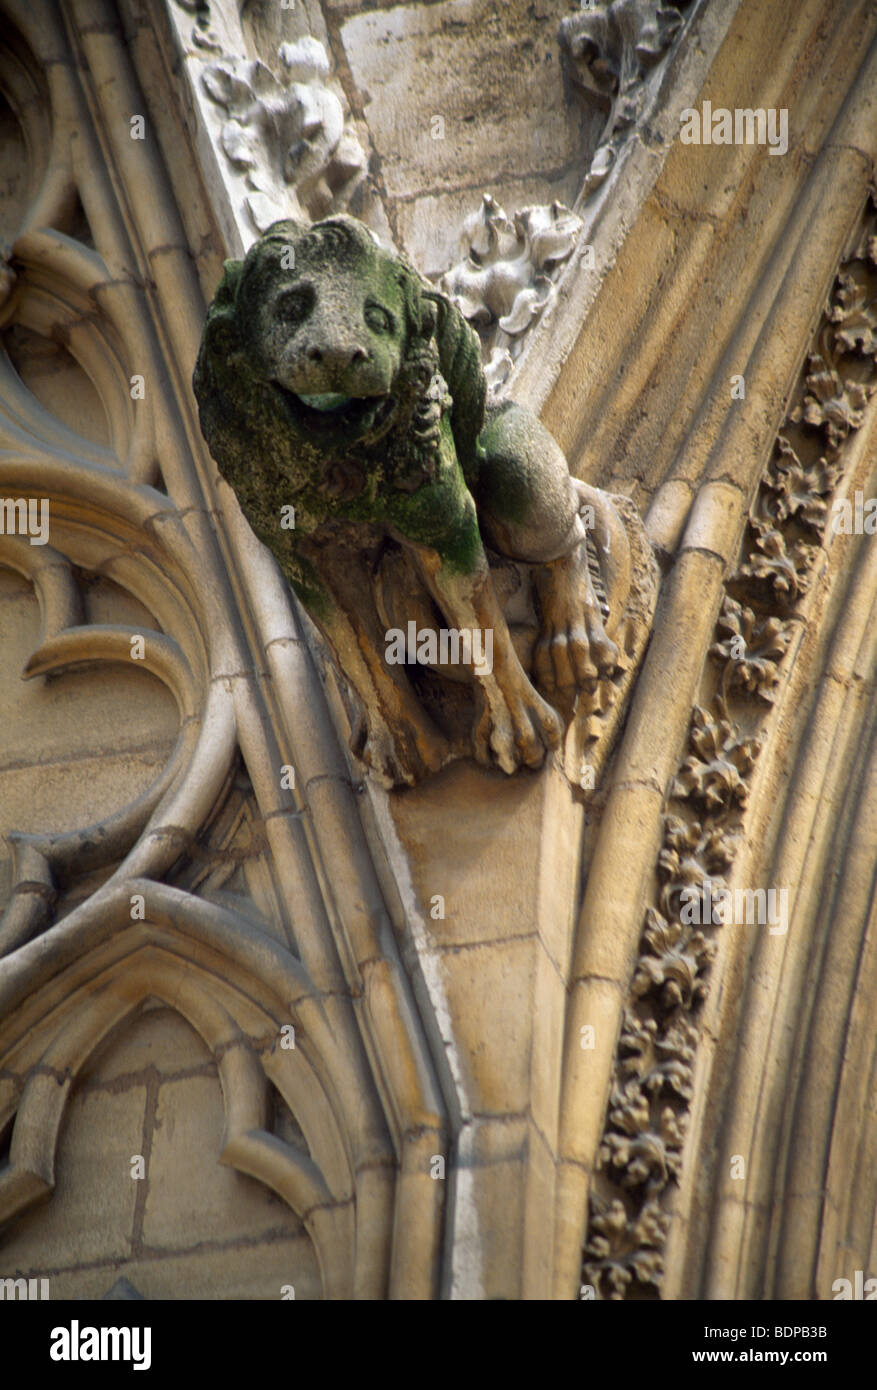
<point x="641" y="1152"/>
<point x="107" y="901"/>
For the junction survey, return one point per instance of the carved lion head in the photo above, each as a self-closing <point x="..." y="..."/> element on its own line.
<point x="329" y="321"/>
<point x="325" y="358"/>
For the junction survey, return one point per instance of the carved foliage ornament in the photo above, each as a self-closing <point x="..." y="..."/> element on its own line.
<point x="611" y="48"/>
<point x="506" y="276"/>
<point x="287" y="136"/>
<point x="641" y="1149"/>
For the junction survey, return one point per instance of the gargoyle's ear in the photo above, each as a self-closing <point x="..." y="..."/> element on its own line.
<point x="427" y="318"/>
<point x="439" y="307"/>
<point x="285" y="230"/>
<point x="228" y="285"/>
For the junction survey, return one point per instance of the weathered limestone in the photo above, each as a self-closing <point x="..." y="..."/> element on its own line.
<point x="493" y="972"/>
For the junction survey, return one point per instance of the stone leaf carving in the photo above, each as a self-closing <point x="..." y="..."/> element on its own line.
<point x="506" y="275"/>
<point x="793" y="488"/>
<point x="610" y="50"/>
<point x="692" y="854"/>
<point x="750" y="650"/>
<point x="646" y="1157"/>
<point x="660" y="1061"/>
<point x="621" y="1250"/>
<point x="854" y="312"/>
<point x="771" y="562"/>
<point x="830" y="402"/>
<point x="655" y="1066"/>
<point x="286" y="135"/>
<point x="673" y="963"/>
<point x="715" y="774"/>
<point x="337" y="384"/>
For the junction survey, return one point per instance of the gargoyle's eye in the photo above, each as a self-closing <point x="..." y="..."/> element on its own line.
<point x="379" y="319"/>
<point x="294" y="305"/>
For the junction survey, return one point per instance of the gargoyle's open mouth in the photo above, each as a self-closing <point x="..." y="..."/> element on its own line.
<point x="331" y="410"/>
<point x="331" y="401"/>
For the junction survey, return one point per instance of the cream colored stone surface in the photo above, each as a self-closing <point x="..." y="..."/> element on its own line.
<point x="190" y="1198"/>
<point x="487" y="112"/>
<point x="227" y="1272"/>
<point x="314" y="906"/>
<point x="93" y="1208"/>
<point x="155" y="1089"/>
<point x="159" y="1038"/>
<point x="68" y="716"/>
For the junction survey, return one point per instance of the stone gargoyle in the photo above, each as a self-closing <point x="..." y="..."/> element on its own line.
<point x="339" y="388"/>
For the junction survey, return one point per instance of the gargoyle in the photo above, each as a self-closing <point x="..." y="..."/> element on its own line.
<point x="338" y="386"/>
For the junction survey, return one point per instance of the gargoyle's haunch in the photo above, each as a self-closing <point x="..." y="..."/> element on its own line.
<point x="333" y="377"/>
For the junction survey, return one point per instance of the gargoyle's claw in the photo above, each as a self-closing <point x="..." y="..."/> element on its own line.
<point x="582" y="654"/>
<point x="603" y="651"/>
<point x="543" y="666"/>
<point x="517" y="728"/>
<point x="402" y="757"/>
<point x="573" y="650"/>
<point x="547" y="725"/>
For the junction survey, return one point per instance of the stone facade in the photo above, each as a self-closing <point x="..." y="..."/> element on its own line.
<point x="264" y="1025"/>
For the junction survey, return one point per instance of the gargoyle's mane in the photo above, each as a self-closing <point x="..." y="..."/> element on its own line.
<point x="440" y="366"/>
<point x="336" y="236"/>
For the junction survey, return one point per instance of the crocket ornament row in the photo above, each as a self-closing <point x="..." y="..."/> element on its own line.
<point x="471" y="591"/>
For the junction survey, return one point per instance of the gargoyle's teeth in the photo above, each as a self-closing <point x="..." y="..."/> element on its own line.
<point x="330" y="401"/>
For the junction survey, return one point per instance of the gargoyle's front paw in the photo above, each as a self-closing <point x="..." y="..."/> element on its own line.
<point x="573" y="650"/>
<point x="516" y="726"/>
<point x="401" y="757"/>
<point x="570" y="659"/>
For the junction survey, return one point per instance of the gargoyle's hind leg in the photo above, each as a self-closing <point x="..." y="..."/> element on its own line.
<point x="395" y="737"/>
<point x="528" y="506"/>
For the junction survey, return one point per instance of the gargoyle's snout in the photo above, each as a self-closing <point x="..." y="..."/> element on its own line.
<point x="335" y="358"/>
<point x="326" y="365"/>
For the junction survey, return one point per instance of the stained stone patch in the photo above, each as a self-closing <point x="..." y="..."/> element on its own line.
<point x="500" y="119"/>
